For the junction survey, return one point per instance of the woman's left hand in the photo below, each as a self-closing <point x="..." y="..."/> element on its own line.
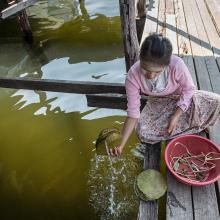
<point x="172" y="124"/>
<point x="174" y="120"/>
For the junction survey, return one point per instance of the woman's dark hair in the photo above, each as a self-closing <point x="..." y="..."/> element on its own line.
<point x="156" y="49"/>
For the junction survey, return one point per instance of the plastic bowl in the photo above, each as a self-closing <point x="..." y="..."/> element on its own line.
<point x="196" y="145"/>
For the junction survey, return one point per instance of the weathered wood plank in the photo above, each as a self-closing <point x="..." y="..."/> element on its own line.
<point x="114" y="101"/>
<point x="179" y="200"/>
<point x="214" y="75"/>
<point x="209" y="27"/>
<point x="62" y="85"/>
<point x="15" y="8"/>
<point x="161" y="28"/>
<point x="129" y="32"/>
<point x="205" y="203"/>
<point x="149" y="210"/>
<point x="201" y="194"/>
<point x="171" y="21"/>
<point x="182" y="33"/>
<point x="205" y="200"/>
<point x="214" y="10"/>
<point x="151" y="19"/>
<point x="184" y="46"/>
<point x="179" y="197"/>
<point x="199" y="60"/>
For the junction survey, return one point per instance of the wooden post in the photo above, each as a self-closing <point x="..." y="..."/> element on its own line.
<point x="141" y="8"/>
<point x="24" y="24"/>
<point x="141" y="12"/>
<point x="128" y="24"/>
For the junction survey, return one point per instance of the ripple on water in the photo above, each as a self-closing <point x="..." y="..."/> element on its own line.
<point x="110" y="186"/>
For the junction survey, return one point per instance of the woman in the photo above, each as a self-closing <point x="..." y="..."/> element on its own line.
<point x="174" y="106"/>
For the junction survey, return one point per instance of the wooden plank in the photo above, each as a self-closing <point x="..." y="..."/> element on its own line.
<point x="151" y="19"/>
<point x="79" y="87"/>
<point x="182" y="33"/>
<point x="179" y="198"/>
<point x="209" y="27"/>
<point x="113" y="101"/>
<point x="184" y="46"/>
<point x="161" y="28"/>
<point x="205" y="201"/>
<point x="15" y="8"/>
<point x="129" y="32"/>
<point x="214" y="75"/>
<point x="214" y="10"/>
<point x="202" y="35"/>
<point x="149" y="210"/>
<point x="197" y="51"/>
<point x="200" y="44"/>
<point x="171" y="31"/>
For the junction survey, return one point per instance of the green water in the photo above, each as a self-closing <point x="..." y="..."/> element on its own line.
<point x="48" y="165"/>
<point x="49" y="169"/>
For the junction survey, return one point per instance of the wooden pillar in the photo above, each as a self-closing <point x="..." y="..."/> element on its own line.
<point x="141" y="12"/>
<point x="128" y="24"/>
<point x="24" y="24"/>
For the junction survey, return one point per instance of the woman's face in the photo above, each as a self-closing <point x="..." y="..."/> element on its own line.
<point x="151" y="70"/>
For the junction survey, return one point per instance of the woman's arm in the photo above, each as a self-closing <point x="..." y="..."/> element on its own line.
<point x="125" y="134"/>
<point x="133" y="108"/>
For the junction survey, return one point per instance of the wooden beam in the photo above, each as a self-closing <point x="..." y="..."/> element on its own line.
<point x="15" y="8"/>
<point x="128" y="24"/>
<point x="113" y="101"/>
<point x="62" y="85"/>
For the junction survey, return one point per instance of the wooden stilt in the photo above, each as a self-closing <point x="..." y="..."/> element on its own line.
<point x="24" y="24"/>
<point x="131" y="45"/>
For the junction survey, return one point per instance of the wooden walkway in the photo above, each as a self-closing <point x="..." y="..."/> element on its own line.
<point x="194" y="29"/>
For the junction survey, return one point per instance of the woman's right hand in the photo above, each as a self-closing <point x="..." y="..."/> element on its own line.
<point x="116" y="151"/>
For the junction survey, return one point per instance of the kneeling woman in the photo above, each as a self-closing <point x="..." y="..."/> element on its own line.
<point x="174" y="106"/>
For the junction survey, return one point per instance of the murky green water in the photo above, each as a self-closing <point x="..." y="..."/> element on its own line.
<point x="48" y="166"/>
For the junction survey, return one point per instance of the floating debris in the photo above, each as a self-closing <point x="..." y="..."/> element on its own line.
<point x="99" y="76"/>
<point x="109" y="137"/>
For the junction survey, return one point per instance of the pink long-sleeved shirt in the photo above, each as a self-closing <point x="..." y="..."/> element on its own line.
<point x="179" y="82"/>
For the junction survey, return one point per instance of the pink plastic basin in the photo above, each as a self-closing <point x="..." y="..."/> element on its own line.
<point x="196" y="145"/>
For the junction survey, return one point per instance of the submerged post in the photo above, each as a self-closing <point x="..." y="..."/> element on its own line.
<point x="128" y="24"/>
<point x="24" y="23"/>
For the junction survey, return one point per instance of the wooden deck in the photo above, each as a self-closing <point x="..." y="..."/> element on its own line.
<point x="194" y="29"/>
